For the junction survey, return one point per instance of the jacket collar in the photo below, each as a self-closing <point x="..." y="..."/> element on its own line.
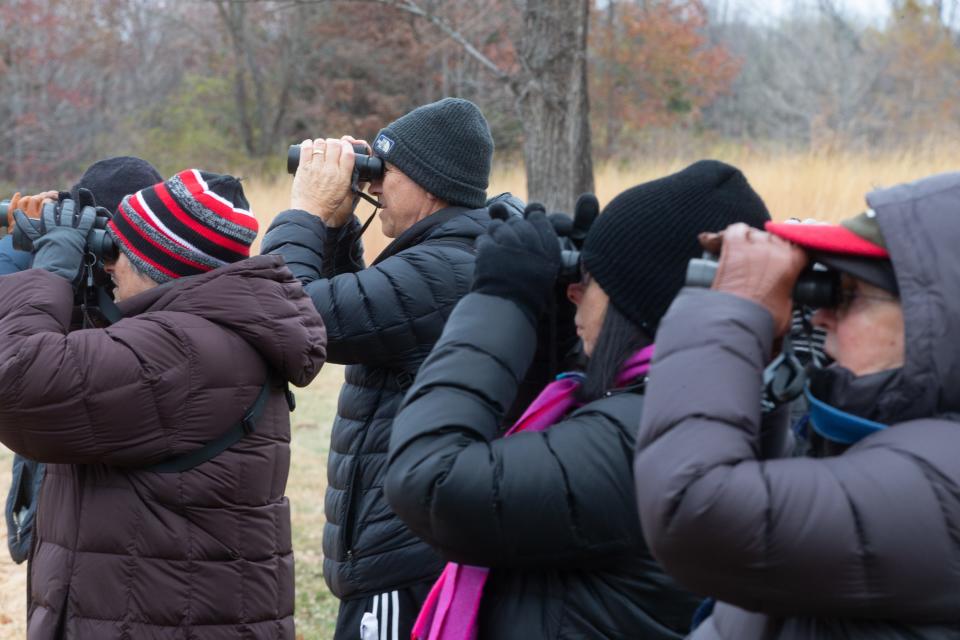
<point x="420" y="231"/>
<point x="839" y="426"/>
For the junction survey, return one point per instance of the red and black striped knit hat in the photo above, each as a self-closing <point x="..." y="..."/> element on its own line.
<point x="193" y="223"/>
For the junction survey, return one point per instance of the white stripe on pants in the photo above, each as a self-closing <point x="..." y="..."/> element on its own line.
<point x="381" y="613"/>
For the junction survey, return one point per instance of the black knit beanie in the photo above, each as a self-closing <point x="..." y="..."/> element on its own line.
<point x="111" y="179"/>
<point x="638" y="248"/>
<point x="445" y="147"/>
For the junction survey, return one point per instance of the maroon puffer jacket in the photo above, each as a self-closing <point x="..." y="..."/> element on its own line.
<point x="125" y="553"/>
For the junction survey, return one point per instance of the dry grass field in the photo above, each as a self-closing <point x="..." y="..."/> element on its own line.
<point x="822" y="185"/>
<point x="827" y="185"/>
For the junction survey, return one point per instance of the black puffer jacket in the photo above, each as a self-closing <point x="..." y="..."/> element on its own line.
<point x="862" y="545"/>
<point x="382" y="321"/>
<point x="552" y="513"/>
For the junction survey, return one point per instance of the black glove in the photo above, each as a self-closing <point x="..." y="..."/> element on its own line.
<point x="519" y="260"/>
<point x="60" y="236"/>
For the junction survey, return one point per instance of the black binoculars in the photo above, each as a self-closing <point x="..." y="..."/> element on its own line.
<point x="99" y="242"/>
<point x="366" y="168"/>
<point x="816" y="288"/>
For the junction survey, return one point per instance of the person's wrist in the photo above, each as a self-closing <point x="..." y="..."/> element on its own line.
<point x="303" y="205"/>
<point x="336" y="221"/>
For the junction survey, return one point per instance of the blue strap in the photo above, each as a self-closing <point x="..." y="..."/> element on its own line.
<point x="836" y="425"/>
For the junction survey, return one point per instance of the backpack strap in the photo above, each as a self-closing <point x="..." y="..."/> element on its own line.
<point x="237" y="432"/>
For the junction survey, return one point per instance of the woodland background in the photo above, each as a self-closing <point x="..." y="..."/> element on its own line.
<point x="566" y="84"/>
<point x="816" y="106"/>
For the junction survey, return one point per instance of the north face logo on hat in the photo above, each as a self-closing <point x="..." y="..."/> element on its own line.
<point x="383" y="144"/>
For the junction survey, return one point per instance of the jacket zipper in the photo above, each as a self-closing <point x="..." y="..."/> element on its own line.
<point x="353" y="489"/>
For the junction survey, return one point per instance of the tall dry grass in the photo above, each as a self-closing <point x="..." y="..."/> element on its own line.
<point x="827" y="185"/>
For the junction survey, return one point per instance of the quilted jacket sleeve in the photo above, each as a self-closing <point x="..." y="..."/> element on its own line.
<point x="869" y="533"/>
<point x="312" y="250"/>
<point x="120" y="395"/>
<point x="562" y="496"/>
<point x="386" y="315"/>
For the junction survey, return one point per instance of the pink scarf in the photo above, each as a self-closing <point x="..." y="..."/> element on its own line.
<point x="451" y="608"/>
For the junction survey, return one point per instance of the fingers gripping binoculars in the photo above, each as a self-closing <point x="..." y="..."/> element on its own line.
<point x="816" y="288"/>
<point x="366" y="168"/>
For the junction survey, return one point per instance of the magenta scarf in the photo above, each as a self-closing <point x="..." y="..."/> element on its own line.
<point x="451" y="608"/>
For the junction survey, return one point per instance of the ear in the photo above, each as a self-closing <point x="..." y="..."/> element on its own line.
<point x="434" y="203"/>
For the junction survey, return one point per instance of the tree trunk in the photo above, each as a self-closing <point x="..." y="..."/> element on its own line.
<point x="552" y="99"/>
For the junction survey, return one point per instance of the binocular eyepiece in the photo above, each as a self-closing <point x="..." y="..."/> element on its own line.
<point x="366" y="168"/>
<point x="815" y="288"/>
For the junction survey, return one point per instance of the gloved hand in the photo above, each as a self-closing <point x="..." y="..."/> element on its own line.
<point x="757" y="266"/>
<point x="60" y="237"/>
<point x="519" y="260"/>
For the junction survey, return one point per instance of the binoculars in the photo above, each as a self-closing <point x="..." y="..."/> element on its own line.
<point x="815" y="288"/>
<point x="99" y="242"/>
<point x="365" y="168"/>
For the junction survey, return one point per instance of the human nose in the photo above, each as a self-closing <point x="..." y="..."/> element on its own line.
<point x="575" y="293"/>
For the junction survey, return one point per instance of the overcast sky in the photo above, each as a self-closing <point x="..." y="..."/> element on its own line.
<point x="873" y="11"/>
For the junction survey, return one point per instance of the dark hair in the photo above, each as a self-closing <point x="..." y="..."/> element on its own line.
<point x="619" y="339"/>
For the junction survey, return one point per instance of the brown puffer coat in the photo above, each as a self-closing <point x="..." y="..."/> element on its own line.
<point x="121" y="552"/>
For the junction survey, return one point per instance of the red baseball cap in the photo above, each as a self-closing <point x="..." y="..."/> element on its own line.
<point x="855" y="246"/>
<point x="857" y="236"/>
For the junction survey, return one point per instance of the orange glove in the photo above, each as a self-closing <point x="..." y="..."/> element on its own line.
<point x="30" y="205"/>
<point x="757" y="266"/>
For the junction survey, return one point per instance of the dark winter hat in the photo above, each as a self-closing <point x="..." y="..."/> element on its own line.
<point x="855" y="246"/>
<point x="639" y="247"/>
<point x="111" y="179"/>
<point x="193" y="223"/>
<point x="445" y="147"/>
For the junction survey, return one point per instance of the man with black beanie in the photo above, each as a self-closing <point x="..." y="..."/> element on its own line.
<point x="381" y="322"/>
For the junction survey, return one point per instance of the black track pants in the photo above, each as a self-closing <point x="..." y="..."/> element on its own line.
<point x="385" y="616"/>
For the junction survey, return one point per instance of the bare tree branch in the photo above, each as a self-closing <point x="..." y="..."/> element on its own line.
<point x="413" y="8"/>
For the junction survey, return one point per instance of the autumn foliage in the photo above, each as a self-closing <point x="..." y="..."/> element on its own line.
<point x="652" y="65"/>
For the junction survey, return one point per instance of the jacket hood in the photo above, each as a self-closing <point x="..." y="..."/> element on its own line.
<point x="920" y="222"/>
<point x="259" y="300"/>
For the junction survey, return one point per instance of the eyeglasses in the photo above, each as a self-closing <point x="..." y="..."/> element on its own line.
<point x="846" y="298"/>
